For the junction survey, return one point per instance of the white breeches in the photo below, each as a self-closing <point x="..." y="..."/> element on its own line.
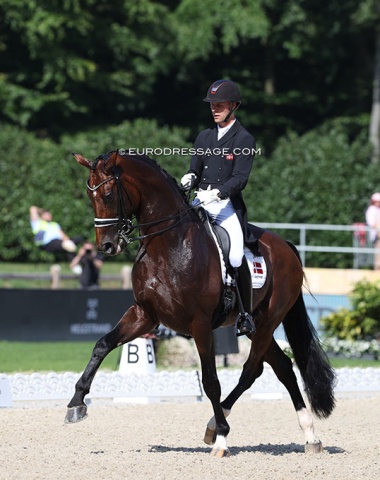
<point x="225" y="215"/>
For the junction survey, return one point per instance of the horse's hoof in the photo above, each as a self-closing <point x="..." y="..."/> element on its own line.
<point x="220" y="452"/>
<point x="76" y="414"/>
<point x="210" y="436"/>
<point x="314" y="447"/>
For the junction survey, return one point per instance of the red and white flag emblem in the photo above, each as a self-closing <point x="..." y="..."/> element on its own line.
<point x="257" y="268"/>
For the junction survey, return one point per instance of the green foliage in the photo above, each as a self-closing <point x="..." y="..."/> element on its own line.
<point x="224" y="26"/>
<point x="363" y="321"/>
<point x="77" y="64"/>
<point x="141" y="135"/>
<point x="43" y="173"/>
<point x="86" y="66"/>
<point x="65" y="64"/>
<point x="322" y="177"/>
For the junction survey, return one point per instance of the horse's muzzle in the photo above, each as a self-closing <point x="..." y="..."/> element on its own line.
<point x="109" y="248"/>
<point x="112" y="248"/>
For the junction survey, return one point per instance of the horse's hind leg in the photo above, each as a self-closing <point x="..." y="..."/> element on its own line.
<point x="132" y="325"/>
<point x="248" y="376"/>
<point x="282" y="367"/>
<point x="252" y="369"/>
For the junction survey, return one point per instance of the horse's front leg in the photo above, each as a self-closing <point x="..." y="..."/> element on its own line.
<point x="204" y="340"/>
<point x="133" y="324"/>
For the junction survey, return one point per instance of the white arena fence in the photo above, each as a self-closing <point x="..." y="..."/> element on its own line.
<point x="170" y="386"/>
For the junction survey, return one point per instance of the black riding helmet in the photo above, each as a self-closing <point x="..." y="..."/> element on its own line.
<point x="224" y="91"/>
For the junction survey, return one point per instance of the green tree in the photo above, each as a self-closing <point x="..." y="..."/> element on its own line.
<point x="44" y="173"/>
<point x="281" y="53"/>
<point x="78" y="63"/>
<point x="85" y="66"/>
<point x="323" y="177"/>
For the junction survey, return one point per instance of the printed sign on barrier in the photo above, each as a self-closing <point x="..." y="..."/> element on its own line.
<point x="138" y="357"/>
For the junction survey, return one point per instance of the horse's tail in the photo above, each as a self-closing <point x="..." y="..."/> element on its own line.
<point x="317" y="374"/>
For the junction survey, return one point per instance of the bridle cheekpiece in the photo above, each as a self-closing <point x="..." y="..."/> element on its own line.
<point x="124" y="223"/>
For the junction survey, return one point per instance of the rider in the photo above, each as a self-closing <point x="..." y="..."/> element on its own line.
<point x="220" y="170"/>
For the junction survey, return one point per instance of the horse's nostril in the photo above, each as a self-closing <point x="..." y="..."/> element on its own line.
<point x="108" y="248"/>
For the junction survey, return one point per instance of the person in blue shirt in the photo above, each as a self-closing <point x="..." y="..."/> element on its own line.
<point x="48" y="235"/>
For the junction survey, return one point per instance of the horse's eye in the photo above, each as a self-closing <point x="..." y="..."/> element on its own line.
<point x="108" y="196"/>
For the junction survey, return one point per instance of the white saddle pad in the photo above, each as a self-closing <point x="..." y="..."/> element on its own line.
<point x="258" y="268"/>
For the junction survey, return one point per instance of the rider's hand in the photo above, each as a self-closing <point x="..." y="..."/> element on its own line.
<point x="208" y="196"/>
<point x="187" y="181"/>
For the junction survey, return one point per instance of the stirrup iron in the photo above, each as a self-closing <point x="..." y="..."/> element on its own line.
<point x="244" y="325"/>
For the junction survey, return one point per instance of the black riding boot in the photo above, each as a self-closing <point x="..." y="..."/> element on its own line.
<point x="244" y="322"/>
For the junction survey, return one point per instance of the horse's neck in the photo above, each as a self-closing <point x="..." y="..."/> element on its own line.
<point x="159" y="203"/>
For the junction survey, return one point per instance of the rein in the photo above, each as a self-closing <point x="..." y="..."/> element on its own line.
<point x="125" y="224"/>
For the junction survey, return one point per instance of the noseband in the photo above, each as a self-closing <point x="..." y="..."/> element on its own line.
<point x="124" y="223"/>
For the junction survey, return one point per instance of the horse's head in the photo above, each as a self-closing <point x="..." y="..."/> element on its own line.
<point x="113" y="205"/>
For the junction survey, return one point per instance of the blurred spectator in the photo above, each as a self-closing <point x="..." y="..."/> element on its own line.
<point x="48" y="235"/>
<point x="87" y="264"/>
<point x="372" y="217"/>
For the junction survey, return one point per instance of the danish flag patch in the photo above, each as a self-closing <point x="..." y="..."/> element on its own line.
<point x="257" y="268"/>
<point x="229" y="156"/>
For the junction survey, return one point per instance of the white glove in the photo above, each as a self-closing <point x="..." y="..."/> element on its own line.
<point x="187" y="180"/>
<point x="208" y="196"/>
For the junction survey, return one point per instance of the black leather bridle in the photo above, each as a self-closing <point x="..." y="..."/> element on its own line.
<point x="124" y="223"/>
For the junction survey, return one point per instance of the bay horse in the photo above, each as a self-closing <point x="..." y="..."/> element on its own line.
<point x="177" y="282"/>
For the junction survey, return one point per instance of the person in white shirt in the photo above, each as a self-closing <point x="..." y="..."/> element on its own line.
<point x="372" y="217"/>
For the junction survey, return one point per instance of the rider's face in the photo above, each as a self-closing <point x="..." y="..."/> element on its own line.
<point x="220" y="110"/>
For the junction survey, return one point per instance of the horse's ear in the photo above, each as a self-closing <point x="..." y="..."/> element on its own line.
<point x="111" y="161"/>
<point x="82" y="160"/>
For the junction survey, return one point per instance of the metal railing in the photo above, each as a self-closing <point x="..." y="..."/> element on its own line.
<point x="362" y="249"/>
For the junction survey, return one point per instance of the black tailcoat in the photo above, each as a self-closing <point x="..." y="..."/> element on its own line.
<point x="225" y="164"/>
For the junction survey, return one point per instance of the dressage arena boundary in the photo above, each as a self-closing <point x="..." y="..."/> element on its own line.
<point x="170" y="386"/>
